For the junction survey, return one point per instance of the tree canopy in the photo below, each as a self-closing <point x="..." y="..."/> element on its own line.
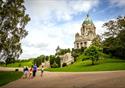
<point x="92" y="53"/>
<point x="115" y="37"/>
<point x="13" y="20"/>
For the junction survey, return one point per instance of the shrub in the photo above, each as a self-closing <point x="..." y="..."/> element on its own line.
<point x="72" y="62"/>
<point x="55" y="65"/>
<point x="19" y="64"/>
<point x="64" y="64"/>
<point x="16" y="70"/>
<point x="93" y="53"/>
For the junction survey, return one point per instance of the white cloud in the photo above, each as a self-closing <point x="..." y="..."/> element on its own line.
<point x="99" y="29"/>
<point x="119" y="3"/>
<point x="84" y="5"/>
<point x="58" y="9"/>
<point x="45" y="41"/>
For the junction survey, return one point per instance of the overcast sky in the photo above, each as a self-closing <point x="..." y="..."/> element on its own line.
<point x="55" y="22"/>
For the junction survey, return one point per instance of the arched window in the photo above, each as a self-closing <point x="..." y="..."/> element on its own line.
<point x="85" y="43"/>
<point x="81" y="44"/>
<point x="77" y="45"/>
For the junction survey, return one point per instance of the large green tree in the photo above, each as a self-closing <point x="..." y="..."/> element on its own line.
<point x="13" y="20"/>
<point x="92" y="53"/>
<point x="114" y="42"/>
<point x="97" y="41"/>
<point x="114" y="27"/>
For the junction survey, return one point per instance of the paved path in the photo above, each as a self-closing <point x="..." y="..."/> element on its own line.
<point x="113" y="79"/>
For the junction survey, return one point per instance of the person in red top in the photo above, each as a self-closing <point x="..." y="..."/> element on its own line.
<point x="30" y="71"/>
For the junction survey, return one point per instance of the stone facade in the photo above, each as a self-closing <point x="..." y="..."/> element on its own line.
<point x="88" y="33"/>
<point x="66" y="58"/>
<point x="46" y="64"/>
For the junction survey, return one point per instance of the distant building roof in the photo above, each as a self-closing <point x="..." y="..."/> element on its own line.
<point x="58" y="48"/>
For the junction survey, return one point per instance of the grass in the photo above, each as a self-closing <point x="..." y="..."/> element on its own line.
<point x="9" y="76"/>
<point x="85" y="66"/>
<point x="19" y="64"/>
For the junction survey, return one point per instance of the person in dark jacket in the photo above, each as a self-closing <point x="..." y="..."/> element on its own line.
<point x="34" y="70"/>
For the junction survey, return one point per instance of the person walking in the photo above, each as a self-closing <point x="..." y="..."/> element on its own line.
<point x="30" y="71"/>
<point x="42" y="70"/>
<point x="25" y="70"/>
<point x="34" y="70"/>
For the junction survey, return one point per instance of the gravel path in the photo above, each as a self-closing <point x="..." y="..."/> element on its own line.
<point x="108" y="79"/>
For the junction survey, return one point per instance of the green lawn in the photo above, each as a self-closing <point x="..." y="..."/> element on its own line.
<point x="20" y="64"/>
<point x="84" y="66"/>
<point x="9" y="76"/>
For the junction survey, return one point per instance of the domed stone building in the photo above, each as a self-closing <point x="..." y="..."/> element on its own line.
<point x="88" y="33"/>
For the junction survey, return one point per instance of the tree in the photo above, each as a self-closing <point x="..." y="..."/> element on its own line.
<point x="115" y="43"/>
<point x="52" y="59"/>
<point x="39" y="60"/>
<point x="77" y="52"/>
<point x="92" y="53"/>
<point x="112" y="28"/>
<point x="12" y="28"/>
<point x="97" y="41"/>
<point x="63" y="51"/>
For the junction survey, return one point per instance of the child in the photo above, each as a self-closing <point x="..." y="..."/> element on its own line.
<point x="25" y="70"/>
<point x="30" y="71"/>
<point x="42" y="70"/>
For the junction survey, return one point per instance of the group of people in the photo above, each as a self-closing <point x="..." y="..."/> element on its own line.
<point x="31" y="72"/>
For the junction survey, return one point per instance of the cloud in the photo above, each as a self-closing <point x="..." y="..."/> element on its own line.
<point x="99" y="29"/>
<point x="118" y="3"/>
<point x="60" y="10"/>
<point x="84" y="5"/>
<point x="45" y="41"/>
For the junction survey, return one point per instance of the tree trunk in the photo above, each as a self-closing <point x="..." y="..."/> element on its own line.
<point x="93" y="62"/>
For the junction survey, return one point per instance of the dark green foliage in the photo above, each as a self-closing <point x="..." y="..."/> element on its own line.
<point x="9" y="60"/>
<point x="57" y="60"/>
<point x="77" y="52"/>
<point x="12" y="28"/>
<point x="55" y="65"/>
<point x="16" y="70"/>
<point x="64" y="64"/>
<point x="19" y="64"/>
<point x="115" y="43"/>
<point x="39" y="60"/>
<point x="54" y="60"/>
<point x="63" y="51"/>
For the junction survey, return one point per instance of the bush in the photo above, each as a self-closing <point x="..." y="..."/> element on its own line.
<point x="93" y="53"/>
<point x="64" y="64"/>
<point x="16" y="70"/>
<point x="19" y="64"/>
<point x="72" y="62"/>
<point x="55" y="65"/>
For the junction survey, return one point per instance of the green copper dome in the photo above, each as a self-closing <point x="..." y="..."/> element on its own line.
<point x="88" y="20"/>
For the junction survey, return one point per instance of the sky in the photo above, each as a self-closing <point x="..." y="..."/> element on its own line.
<point x="55" y="22"/>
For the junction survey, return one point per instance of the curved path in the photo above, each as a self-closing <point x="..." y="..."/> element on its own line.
<point x="108" y="79"/>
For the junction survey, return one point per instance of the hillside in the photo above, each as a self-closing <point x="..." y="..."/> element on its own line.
<point x="81" y="66"/>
